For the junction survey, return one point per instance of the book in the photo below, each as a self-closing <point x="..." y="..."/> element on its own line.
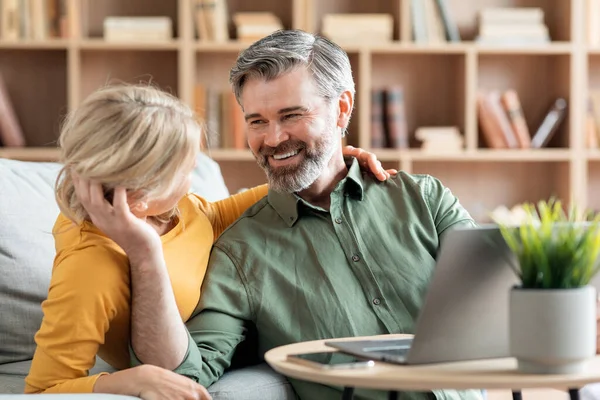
<point x="213" y="118"/>
<point x="419" y="21"/>
<point x="591" y="134"/>
<point x="395" y="118"/>
<point x="378" y="136"/>
<point x="592" y="120"/>
<point x="443" y="139"/>
<point x="512" y="105"/>
<point x="252" y="26"/>
<point x="511" y="15"/>
<point x="10" y="23"/>
<point x="435" y="26"/>
<point x="450" y="27"/>
<point x="550" y="124"/>
<point x="138" y="28"/>
<point x="11" y="133"/>
<point x="358" y="28"/>
<point x="501" y="117"/>
<point x="200" y="103"/>
<point x="512" y="26"/>
<point x="490" y="126"/>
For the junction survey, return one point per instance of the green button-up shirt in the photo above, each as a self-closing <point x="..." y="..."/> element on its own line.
<point x="298" y="272"/>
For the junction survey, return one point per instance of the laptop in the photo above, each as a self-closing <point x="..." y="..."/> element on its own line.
<point x="465" y="312"/>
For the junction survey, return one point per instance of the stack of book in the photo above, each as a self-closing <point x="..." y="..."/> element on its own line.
<point x="358" y="28"/>
<point x="440" y="139"/>
<point x="211" y="19"/>
<point x="225" y="122"/>
<point x="429" y="21"/>
<point x="503" y="124"/>
<point x="38" y="20"/>
<point x="512" y="26"/>
<point x="388" y="118"/>
<point x="153" y="29"/>
<point x="252" y="26"/>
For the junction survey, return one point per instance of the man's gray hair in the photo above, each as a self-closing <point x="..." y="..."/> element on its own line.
<point x="285" y="50"/>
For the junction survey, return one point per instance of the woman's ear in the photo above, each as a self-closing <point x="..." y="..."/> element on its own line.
<point x="138" y="204"/>
<point x="345" y="103"/>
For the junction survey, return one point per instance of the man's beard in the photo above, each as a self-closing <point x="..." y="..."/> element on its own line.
<point x="295" y="178"/>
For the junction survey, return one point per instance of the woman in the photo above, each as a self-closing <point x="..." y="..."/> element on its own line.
<point x="144" y="140"/>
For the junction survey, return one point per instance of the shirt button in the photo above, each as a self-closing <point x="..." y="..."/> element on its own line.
<point x="355" y="258"/>
<point x="376" y="301"/>
<point x="338" y="220"/>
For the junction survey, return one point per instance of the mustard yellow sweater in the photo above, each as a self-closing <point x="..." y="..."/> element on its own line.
<point x="88" y="307"/>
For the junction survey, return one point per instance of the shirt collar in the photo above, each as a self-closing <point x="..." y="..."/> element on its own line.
<point x="288" y="205"/>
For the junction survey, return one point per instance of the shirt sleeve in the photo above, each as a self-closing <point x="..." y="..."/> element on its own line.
<point x="445" y="208"/>
<point x="224" y="212"/>
<point x="81" y="301"/>
<point x="219" y="324"/>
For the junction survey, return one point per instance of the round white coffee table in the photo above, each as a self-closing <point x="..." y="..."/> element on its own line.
<point x="481" y="374"/>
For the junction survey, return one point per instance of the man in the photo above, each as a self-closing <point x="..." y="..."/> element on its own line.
<point x="330" y="252"/>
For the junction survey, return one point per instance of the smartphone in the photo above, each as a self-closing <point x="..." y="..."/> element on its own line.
<point x="330" y="360"/>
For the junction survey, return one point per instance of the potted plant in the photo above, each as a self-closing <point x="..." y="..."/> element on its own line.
<point x="553" y="310"/>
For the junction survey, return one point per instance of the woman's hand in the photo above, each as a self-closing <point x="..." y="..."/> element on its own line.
<point x="136" y="237"/>
<point x="369" y="162"/>
<point x="149" y="382"/>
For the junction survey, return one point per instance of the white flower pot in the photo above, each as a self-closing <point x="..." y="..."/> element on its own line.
<point x="552" y="331"/>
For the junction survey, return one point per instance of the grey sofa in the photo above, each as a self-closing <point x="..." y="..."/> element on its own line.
<point x="27" y="213"/>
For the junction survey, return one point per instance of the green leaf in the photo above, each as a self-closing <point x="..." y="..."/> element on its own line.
<point x="554" y="249"/>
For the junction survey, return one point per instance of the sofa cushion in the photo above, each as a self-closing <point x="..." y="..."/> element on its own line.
<point x="28" y="211"/>
<point x="258" y="382"/>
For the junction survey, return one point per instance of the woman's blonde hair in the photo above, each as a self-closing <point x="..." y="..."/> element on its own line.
<point x="135" y="136"/>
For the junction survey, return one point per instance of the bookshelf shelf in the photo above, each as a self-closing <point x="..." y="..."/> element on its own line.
<point x="593" y="155"/>
<point x="101" y="44"/>
<point x="533" y="155"/>
<point x="232" y="46"/>
<point x="550" y="48"/>
<point x="479" y="155"/>
<point x="34" y="44"/>
<point x="440" y="81"/>
<point x="30" y="153"/>
<point x="410" y="48"/>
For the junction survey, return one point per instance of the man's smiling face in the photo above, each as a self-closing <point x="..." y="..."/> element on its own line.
<point x="292" y="130"/>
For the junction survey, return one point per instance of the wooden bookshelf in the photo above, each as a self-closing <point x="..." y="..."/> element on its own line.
<point x="47" y="78"/>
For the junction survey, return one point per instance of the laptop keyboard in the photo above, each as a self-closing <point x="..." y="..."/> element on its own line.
<point x="392" y="351"/>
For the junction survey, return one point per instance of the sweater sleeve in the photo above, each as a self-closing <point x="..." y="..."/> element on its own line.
<point x="86" y="289"/>
<point x="224" y="212"/>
